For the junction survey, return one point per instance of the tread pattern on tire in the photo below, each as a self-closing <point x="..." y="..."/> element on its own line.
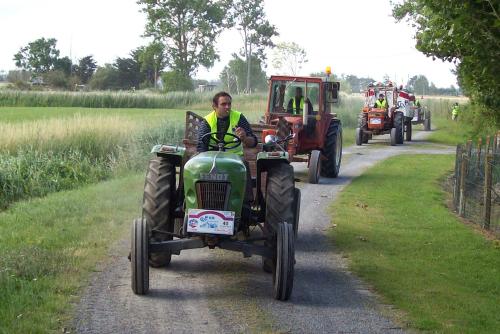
<point x="329" y="167"/>
<point x="398" y="124"/>
<point x="279" y="195"/>
<point x="285" y="261"/>
<point x="139" y="257"/>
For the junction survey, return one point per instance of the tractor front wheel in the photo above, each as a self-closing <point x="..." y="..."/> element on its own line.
<point x="285" y="262"/>
<point x="399" y="125"/>
<point x="408" y="130"/>
<point x="359" y="136"/>
<point x="314" y="166"/>
<point x="139" y="253"/>
<point x="393" y="137"/>
<point x="332" y="150"/>
<point x="427" y="124"/>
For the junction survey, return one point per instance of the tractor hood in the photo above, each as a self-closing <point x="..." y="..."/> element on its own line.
<point x="212" y="167"/>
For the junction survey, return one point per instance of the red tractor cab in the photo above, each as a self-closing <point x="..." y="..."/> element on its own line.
<point x="303" y="106"/>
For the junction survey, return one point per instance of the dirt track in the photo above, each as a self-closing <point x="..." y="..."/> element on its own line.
<point x="216" y="291"/>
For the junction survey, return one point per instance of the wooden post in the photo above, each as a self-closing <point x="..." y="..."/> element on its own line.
<point x="487" y="190"/>
<point x="468" y="150"/>
<point x="478" y="162"/>
<point x="487" y="146"/>
<point x="456" y="186"/>
<point x="495" y="143"/>
<point x="463" y="169"/>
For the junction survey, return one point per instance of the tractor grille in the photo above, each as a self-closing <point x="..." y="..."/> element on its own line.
<point x="213" y="195"/>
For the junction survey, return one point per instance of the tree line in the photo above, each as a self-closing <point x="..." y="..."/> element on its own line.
<point x="466" y="33"/>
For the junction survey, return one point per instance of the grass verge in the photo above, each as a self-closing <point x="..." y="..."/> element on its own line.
<point x="49" y="246"/>
<point x="400" y="237"/>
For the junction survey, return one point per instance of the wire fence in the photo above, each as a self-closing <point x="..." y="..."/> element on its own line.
<point x="476" y="182"/>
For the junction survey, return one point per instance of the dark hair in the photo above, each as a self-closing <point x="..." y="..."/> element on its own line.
<point x="215" y="100"/>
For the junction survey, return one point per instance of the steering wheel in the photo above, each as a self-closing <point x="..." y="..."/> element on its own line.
<point x="220" y="144"/>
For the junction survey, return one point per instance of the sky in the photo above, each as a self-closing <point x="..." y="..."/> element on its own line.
<point x="357" y="37"/>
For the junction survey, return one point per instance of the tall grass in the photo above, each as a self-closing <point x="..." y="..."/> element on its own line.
<point x="14" y="98"/>
<point x="40" y="157"/>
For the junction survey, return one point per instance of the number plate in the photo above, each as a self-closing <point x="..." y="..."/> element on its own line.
<point x="375" y="121"/>
<point x="210" y="221"/>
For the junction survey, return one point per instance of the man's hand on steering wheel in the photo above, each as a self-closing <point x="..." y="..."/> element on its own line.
<point x="221" y="144"/>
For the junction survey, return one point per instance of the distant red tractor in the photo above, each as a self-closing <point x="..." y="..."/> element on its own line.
<point x="394" y="119"/>
<point x="302" y="107"/>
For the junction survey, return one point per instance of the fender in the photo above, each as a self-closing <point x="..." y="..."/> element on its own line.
<point x="175" y="153"/>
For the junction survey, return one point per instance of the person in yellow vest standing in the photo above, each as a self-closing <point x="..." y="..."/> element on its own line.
<point x="381" y="102"/>
<point x="223" y="119"/>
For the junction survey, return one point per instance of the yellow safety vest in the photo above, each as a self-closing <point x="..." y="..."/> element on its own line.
<point x="234" y="118"/>
<point x="455" y="111"/>
<point x="294" y="104"/>
<point x="380" y="105"/>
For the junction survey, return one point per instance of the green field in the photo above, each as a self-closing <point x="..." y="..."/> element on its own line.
<point x="400" y="237"/>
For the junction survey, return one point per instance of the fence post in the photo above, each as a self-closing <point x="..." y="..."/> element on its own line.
<point x="487" y="190"/>
<point x="463" y="170"/>
<point x="495" y="143"/>
<point x="456" y="186"/>
<point x="487" y="146"/>
<point x="478" y="162"/>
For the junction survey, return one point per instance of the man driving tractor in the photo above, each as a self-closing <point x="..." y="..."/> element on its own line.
<point x="381" y="103"/>
<point x="296" y="103"/>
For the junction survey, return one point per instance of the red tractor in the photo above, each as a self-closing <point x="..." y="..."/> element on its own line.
<point x="390" y="119"/>
<point x="302" y="107"/>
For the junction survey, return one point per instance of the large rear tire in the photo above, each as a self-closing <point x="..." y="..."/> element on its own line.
<point x="332" y="151"/>
<point x="314" y="167"/>
<point x="285" y="262"/>
<point x="158" y="202"/>
<point x="296" y="216"/>
<point x="399" y="125"/>
<point x="139" y="253"/>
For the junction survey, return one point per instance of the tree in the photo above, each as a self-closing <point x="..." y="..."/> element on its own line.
<point x="152" y="61"/>
<point x="250" y="19"/>
<point x="39" y="56"/>
<point x="129" y="71"/>
<point x="85" y="69"/>
<point x="63" y="65"/>
<point x="466" y="33"/>
<point x="105" y="78"/>
<point x="419" y="84"/>
<point x="234" y="75"/>
<point x="288" y="57"/>
<point x="188" y="29"/>
<point x="175" y="81"/>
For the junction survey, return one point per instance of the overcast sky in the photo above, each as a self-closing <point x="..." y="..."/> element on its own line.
<point x="353" y="37"/>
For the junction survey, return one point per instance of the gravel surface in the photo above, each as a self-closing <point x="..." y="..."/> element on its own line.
<point x="215" y="291"/>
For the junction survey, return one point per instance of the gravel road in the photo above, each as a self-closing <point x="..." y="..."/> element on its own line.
<point x="214" y="291"/>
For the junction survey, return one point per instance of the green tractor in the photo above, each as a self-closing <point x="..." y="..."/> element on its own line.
<point x="198" y="200"/>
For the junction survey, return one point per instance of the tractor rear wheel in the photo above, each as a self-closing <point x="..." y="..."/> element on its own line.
<point x="332" y="150"/>
<point x="296" y="216"/>
<point x="399" y="125"/>
<point x="314" y="166"/>
<point x="139" y="257"/>
<point x="157" y="207"/>
<point x="285" y="261"/>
